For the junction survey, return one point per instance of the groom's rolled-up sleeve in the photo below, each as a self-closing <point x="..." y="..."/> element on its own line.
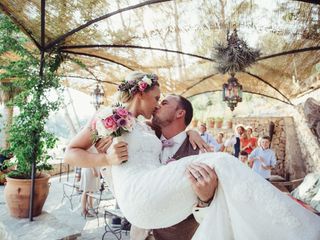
<point x="199" y="213"/>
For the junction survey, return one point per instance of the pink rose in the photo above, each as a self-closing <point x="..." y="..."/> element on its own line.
<point x="142" y="86"/>
<point x="122" y="112"/>
<point x="109" y="123"/>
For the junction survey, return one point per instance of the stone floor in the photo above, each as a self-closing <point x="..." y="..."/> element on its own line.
<point x="57" y="220"/>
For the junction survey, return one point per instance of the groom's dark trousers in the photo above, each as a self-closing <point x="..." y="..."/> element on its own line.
<point x="185" y="229"/>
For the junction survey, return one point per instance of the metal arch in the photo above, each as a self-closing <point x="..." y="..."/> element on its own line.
<point x="264" y="81"/>
<point x="309" y="1"/>
<point x="200" y="81"/>
<point x="260" y="94"/>
<point x="21" y="26"/>
<point x="95" y="56"/>
<point x="88" y="78"/>
<point x="316" y="48"/>
<point x="64" y="36"/>
<point x="135" y="47"/>
<point x="36" y="147"/>
<point x="257" y="77"/>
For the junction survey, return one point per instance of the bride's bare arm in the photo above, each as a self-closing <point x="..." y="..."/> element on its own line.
<point x="77" y="153"/>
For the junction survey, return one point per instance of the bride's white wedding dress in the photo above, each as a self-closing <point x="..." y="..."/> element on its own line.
<point x="245" y="206"/>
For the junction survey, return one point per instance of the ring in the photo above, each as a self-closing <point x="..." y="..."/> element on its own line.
<point x="199" y="176"/>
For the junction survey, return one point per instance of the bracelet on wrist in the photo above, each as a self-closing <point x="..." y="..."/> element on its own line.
<point x="204" y="203"/>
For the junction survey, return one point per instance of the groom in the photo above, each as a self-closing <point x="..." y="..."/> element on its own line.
<point x="173" y="116"/>
<point x="171" y="119"/>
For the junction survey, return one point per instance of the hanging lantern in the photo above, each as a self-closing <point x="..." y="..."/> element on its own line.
<point x="97" y="96"/>
<point x="232" y="92"/>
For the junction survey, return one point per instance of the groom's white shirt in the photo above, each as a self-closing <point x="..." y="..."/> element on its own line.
<point x="167" y="153"/>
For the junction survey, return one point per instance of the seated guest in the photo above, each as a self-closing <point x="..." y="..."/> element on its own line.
<point x="208" y="138"/>
<point x="263" y="159"/>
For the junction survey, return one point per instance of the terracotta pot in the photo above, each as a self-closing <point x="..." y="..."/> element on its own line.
<point x="219" y="123"/>
<point x="229" y="124"/>
<point x="194" y="123"/>
<point x="211" y="123"/>
<point x="17" y="195"/>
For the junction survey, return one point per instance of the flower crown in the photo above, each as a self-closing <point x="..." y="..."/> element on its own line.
<point x="140" y="85"/>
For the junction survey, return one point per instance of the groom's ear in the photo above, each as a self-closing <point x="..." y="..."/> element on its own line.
<point x="181" y="113"/>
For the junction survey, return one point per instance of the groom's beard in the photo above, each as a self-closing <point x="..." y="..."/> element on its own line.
<point x="161" y="123"/>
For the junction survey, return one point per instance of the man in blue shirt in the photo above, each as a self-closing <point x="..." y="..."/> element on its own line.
<point x="208" y="138"/>
<point x="263" y="158"/>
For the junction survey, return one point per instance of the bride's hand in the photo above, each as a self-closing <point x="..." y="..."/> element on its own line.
<point x="196" y="141"/>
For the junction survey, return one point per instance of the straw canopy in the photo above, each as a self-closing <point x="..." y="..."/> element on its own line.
<point x="175" y="39"/>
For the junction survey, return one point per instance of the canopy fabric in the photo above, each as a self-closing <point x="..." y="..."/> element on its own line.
<point x="174" y="39"/>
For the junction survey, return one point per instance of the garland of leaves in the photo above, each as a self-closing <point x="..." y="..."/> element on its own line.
<point x="234" y="57"/>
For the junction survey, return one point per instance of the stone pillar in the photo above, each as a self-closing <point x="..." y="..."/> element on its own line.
<point x="295" y="166"/>
<point x="309" y="145"/>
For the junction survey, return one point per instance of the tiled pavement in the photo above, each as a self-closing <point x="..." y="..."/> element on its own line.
<point x="56" y="221"/>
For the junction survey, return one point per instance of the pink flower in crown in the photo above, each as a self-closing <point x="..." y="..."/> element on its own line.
<point x="142" y="86"/>
<point x="110" y="123"/>
<point x="122" y="112"/>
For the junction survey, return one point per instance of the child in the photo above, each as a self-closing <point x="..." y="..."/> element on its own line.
<point x="243" y="157"/>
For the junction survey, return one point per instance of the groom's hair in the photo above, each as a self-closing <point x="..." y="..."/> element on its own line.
<point x="186" y="105"/>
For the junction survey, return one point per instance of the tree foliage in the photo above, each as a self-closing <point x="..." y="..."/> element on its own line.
<point x="29" y="141"/>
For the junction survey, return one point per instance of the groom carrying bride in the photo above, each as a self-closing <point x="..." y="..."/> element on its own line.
<point x="173" y="116"/>
<point x="154" y="196"/>
<point x="171" y="119"/>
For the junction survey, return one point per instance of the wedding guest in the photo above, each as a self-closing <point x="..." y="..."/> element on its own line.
<point x="243" y="157"/>
<point x="208" y="138"/>
<point x="263" y="158"/>
<point x="247" y="141"/>
<point x="234" y="140"/>
<point x="89" y="183"/>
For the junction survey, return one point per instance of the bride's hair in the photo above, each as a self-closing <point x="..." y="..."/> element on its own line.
<point x="134" y="83"/>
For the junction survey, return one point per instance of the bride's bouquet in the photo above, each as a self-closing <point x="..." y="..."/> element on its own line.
<point x="112" y="122"/>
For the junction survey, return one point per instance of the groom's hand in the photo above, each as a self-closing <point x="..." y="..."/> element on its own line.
<point x="103" y="144"/>
<point x="204" y="181"/>
<point x="118" y="153"/>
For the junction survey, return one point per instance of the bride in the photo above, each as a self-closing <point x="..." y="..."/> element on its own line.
<point x="151" y="195"/>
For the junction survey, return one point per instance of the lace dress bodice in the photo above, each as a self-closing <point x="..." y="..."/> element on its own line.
<point x="144" y="148"/>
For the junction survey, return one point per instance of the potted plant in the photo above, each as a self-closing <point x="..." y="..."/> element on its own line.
<point x="194" y="123"/>
<point x="28" y="139"/>
<point x="229" y="123"/>
<point x="211" y="122"/>
<point x="5" y="165"/>
<point x="219" y="122"/>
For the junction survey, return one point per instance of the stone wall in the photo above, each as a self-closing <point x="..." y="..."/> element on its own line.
<point x="260" y="127"/>
<point x="310" y="147"/>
